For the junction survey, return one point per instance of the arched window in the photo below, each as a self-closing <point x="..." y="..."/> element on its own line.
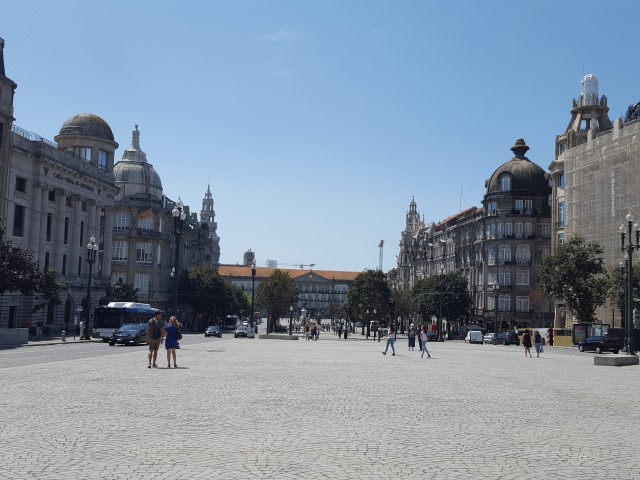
<point x="505" y="183"/>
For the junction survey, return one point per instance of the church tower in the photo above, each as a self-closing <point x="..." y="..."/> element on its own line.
<point x="207" y="216"/>
<point x="413" y="225"/>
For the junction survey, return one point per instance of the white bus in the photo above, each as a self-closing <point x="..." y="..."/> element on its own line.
<point x="113" y="316"/>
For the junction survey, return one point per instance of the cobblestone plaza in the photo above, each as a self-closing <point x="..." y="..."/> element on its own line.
<point x="268" y="409"/>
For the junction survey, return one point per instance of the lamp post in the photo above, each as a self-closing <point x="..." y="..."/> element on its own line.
<point x="178" y="223"/>
<point x="291" y="320"/>
<point x="440" y="325"/>
<point x="92" y="252"/>
<point x="630" y="248"/>
<point x="367" y="320"/>
<point x="496" y="289"/>
<point x="253" y="296"/>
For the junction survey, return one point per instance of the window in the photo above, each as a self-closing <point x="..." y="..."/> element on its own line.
<point x="528" y="206"/>
<point x="141" y="282"/>
<point x="21" y="184"/>
<point x="501" y="230"/>
<point x="52" y="195"/>
<point x="121" y="221"/>
<point x="69" y="200"/>
<point x="528" y="229"/>
<point x="81" y="234"/>
<point x="1" y="133"/>
<point x="143" y="252"/>
<point x="508" y="230"/>
<point x="522" y="277"/>
<point x="545" y="254"/>
<point x="519" y="230"/>
<point x="84" y="206"/>
<point x="522" y="304"/>
<point x="504" y="254"/>
<point x="519" y="205"/>
<point x="145" y="224"/>
<point x="158" y="256"/>
<point x="560" y="238"/>
<point x="115" y="276"/>
<point x="523" y="254"/>
<point x="64" y="264"/>
<point x="46" y="261"/>
<point x="49" y="226"/>
<point x="492" y="207"/>
<point x="504" y="303"/>
<point x="505" y="183"/>
<point x="546" y="230"/>
<point x="561" y="214"/>
<point x="80" y="266"/>
<point x="504" y="278"/>
<point x="83" y="152"/>
<point x="561" y="181"/>
<point x="120" y="251"/>
<point x="66" y="230"/>
<point x="18" y="221"/>
<point x="102" y="159"/>
<point x="491" y="302"/>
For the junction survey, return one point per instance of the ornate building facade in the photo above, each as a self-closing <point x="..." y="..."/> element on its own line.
<point x="499" y="248"/>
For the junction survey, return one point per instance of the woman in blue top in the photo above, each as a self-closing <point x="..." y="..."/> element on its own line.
<point x="171" y="341"/>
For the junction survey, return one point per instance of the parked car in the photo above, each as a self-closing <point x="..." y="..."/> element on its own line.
<point x="213" y="331"/>
<point x="488" y="338"/>
<point x="507" y="338"/>
<point x="599" y="344"/>
<point x="241" y="331"/>
<point x="129" y="334"/>
<point x="473" y="336"/>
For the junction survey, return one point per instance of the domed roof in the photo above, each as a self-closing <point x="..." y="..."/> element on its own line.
<point x="89" y="125"/>
<point x="527" y="178"/>
<point x="133" y="174"/>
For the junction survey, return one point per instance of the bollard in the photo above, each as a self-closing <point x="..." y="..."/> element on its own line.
<point x="64" y="335"/>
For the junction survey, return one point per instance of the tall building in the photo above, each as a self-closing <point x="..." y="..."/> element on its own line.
<point x="208" y="221"/>
<point x="499" y="248"/>
<point x="595" y="181"/>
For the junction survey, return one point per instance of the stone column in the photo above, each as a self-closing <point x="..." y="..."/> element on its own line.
<point x="34" y="232"/>
<point x="57" y="252"/>
<point x="108" y="244"/>
<point x="75" y="249"/>
<point x="44" y="210"/>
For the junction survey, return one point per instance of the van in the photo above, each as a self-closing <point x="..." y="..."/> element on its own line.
<point x="474" y="336"/>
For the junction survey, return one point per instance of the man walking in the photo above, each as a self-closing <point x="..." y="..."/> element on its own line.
<point x="155" y="334"/>
<point x="39" y="329"/>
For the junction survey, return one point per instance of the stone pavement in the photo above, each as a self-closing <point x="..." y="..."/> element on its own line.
<point x="264" y="409"/>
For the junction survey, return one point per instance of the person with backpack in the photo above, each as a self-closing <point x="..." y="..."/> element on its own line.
<point x="155" y="335"/>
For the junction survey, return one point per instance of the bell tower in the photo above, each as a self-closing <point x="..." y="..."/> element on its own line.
<point x="208" y="216"/>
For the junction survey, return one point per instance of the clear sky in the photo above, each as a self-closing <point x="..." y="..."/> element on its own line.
<point x="316" y="122"/>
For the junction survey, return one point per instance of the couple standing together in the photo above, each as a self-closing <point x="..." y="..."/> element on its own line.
<point x="158" y="332"/>
<point x="391" y="338"/>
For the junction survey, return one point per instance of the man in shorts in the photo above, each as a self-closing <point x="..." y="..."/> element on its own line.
<point x="155" y="335"/>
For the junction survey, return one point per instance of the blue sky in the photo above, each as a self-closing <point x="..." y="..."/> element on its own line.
<point x="317" y="122"/>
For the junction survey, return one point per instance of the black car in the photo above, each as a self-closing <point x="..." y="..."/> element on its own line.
<point x="600" y="344"/>
<point x="129" y="334"/>
<point x="213" y="331"/>
<point x="507" y="338"/>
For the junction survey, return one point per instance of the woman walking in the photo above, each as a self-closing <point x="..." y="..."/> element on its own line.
<point x="423" y="337"/>
<point x="391" y="338"/>
<point x="526" y="341"/>
<point x="171" y="341"/>
<point x="412" y="337"/>
<point x="537" y="341"/>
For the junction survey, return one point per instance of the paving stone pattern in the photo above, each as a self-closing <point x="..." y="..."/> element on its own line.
<point x="264" y="409"/>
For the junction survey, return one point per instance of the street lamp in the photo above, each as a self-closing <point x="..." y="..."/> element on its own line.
<point x="496" y="289"/>
<point x="291" y="320"/>
<point x="253" y="290"/>
<point x="367" y="319"/>
<point x="440" y="325"/>
<point x="92" y="252"/>
<point x="629" y="247"/>
<point x="179" y="216"/>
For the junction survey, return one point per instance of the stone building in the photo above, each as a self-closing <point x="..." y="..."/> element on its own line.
<point x="499" y="248"/>
<point x="595" y="183"/>
<point x="56" y="196"/>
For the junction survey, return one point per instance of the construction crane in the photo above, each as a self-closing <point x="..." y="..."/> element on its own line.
<point x="380" y="246"/>
<point x="301" y="265"/>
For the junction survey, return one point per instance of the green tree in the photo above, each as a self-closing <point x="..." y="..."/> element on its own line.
<point x="239" y="301"/>
<point x="449" y="292"/>
<point x="19" y="272"/>
<point x="276" y="293"/>
<point x="617" y="285"/>
<point x="576" y="275"/>
<point x="403" y="300"/>
<point x="369" y="291"/>
<point x="48" y="292"/>
<point x="123" y="292"/>
<point x="206" y="291"/>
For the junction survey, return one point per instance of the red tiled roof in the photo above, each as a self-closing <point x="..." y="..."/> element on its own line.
<point x="239" y="271"/>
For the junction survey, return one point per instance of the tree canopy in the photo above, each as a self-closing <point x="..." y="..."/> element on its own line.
<point x="576" y="275"/>
<point x="450" y="288"/>
<point x="369" y="291"/>
<point x="48" y="292"/>
<point x="123" y="292"/>
<point x="276" y="293"/>
<point x="19" y="270"/>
